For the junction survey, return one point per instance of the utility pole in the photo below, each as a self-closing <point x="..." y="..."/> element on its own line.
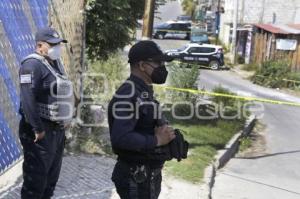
<point x="218" y="16"/>
<point x="234" y="31"/>
<point x="148" y="19"/>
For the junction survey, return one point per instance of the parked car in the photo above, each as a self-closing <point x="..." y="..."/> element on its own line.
<point x="203" y="54"/>
<point x="199" y="35"/>
<point x="179" y="30"/>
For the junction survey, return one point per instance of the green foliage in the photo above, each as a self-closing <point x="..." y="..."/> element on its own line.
<point x="245" y="143"/>
<point x="250" y="67"/>
<point x="105" y="77"/>
<point x="272" y="73"/>
<point x="110" y="24"/>
<point x="295" y="80"/>
<point x="183" y="75"/>
<point x="294" y="76"/>
<point x="189" y="7"/>
<point x="230" y="106"/>
<point x="227" y="101"/>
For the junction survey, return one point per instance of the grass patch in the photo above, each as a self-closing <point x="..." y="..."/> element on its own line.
<point x="205" y="140"/>
<point x="276" y="74"/>
<point x="245" y="143"/>
<point x="250" y="67"/>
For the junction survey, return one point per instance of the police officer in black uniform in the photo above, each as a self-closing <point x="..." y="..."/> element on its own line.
<point x="136" y="127"/>
<point x="41" y="129"/>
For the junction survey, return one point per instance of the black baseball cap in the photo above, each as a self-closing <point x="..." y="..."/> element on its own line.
<point x="49" y="35"/>
<point x="147" y="50"/>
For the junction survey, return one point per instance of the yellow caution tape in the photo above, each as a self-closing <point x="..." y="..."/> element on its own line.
<point x="194" y="91"/>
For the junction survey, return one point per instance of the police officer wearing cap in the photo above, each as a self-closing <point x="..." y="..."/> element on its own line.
<point x="46" y="108"/>
<point x="135" y="130"/>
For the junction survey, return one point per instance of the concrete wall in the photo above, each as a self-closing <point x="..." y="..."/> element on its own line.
<point x="260" y="11"/>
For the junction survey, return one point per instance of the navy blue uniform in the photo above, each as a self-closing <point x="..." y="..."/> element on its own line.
<point x="42" y="159"/>
<point x="132" y="115"/>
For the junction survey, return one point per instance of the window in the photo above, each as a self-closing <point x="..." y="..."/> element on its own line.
<point x="194" y="50"/>
<point x="201" y="50"/>
<point x="184" y="26"/>
<point x="163" y="26"/>
<point x="175" y="27"/>
<point x="207" y="50"/>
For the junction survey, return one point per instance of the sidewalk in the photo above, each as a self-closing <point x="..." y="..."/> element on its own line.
<point x="82" y="177"/>
<point x="88" y="177"/>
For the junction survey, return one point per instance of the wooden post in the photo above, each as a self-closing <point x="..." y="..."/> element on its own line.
<point x="148" y="19"/>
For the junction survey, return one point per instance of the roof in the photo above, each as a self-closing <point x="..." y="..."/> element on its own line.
<point x="285" y="29"/>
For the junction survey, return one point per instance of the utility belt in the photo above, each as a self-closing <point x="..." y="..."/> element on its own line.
<point x="140" y="172"/>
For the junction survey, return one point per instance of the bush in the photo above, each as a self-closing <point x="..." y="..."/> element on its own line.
<point x="182" y="75"/>
<point x="271" y="73"/>
<point x="221" y="99"/>
<point x="250" y="67"/>
<point x="233" y="105"/>
<point x="105" y="77"/>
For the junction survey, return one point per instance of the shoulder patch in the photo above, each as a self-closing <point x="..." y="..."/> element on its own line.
<point x="26" y="79"/>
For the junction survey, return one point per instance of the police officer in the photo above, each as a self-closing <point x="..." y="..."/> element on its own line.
<point x="41" y="130"/>
<point x="135" y="130"/>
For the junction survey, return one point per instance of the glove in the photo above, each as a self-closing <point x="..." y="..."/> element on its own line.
<point x="178" y="147"/>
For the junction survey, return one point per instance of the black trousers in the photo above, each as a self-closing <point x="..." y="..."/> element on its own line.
<point x="42" y="160"/>
<point x="128" y="188"/>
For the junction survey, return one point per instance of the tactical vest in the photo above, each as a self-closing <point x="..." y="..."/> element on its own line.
<point x="62" y="109"/>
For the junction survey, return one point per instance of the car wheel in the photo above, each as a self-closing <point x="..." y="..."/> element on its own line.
<point x="160" y="36"/>
<point x="214" y="65"/>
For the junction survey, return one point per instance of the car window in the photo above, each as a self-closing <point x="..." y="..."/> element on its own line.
<point x="163" y="26"/>
<point x="207" y="50"/>
<point x="201" y="50"/>
<point x="194" y="50"/>
<point x="184" y="26"/>
<point x="175" y="26"/>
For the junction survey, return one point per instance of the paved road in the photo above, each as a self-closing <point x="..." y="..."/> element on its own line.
<point x="275" y="175"/>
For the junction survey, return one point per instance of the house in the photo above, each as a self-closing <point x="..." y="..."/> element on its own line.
<point x="271" y="42"/>
<point x="257" y="11"/>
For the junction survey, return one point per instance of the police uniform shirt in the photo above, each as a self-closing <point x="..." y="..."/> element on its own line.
<point x="35" y="86"/>
<point x="132" y="131"/>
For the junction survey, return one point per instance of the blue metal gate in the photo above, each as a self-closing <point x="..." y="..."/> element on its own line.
<point x="19" y="19"/>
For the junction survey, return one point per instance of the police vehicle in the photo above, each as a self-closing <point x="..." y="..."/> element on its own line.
<point x="203" y="54"/>
<point x="173" y="29"/>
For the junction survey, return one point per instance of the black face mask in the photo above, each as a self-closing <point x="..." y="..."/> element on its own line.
<point x="159" y="74"/>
